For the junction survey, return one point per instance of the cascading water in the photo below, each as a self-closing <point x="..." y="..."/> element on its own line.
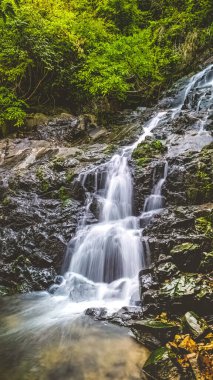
<point x="109" y="254"/>
<point x="155" y="200"/>
<point x="104" y="258"/>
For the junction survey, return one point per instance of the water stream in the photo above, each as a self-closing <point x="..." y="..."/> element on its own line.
<point x="44" y="335"/>
<point x="105" y="258"/>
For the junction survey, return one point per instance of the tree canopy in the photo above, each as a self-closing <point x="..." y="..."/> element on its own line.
<point x="71" y="53"/>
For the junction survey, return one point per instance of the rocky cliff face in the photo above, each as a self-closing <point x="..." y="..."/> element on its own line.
<point x="180" y="236"/>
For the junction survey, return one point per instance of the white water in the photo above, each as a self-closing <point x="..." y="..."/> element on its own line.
<point x="105" y="257"/>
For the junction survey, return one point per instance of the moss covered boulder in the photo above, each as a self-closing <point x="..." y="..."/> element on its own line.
<point x="147" y="151"/>
<point x="199" y="184"/>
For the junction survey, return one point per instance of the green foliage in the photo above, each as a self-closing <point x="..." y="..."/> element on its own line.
<point x="205" y="225"/>
<point x="7" y="8"/>
<point x="71" y="53"/>
<point x="126" y="64"/>
<point x="12" y="110"/>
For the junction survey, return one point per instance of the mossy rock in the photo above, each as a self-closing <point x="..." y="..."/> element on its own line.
<point x="160" y="365"/>
<point x="152" y="324"/>
<point x="187" y="256"/>
<point x="180" y="286"/>
<point x="204" y="225"/>
<point x="70" y="175"/>
<point x="160" y="330"/>
<point x="147" y="151"/>
<point x="58" y="163"/>
<point x="187" y="290"/>
<point x="184" y="247"/>
<point x="194" y="324"/>
<point x="199" y="184"/>
<point x="158" y="355"/>
<point x="36" y="119"/>
<point x="63" y="194"/>
<point x="111" y="148"/>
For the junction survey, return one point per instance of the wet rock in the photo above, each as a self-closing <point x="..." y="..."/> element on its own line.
<point x="126" y="315"/>
<point x="81" y="289"/>
<point x="170" y="237"/>
<point x="206" y="265"/>
<point x="146" y="338"/>
<point x="187" y="256"/>
<point x="186" y="291"/>
<point x="162" y="331"/>
<point x="97" y="313"/>
<point x="61" y="129"/>
<point x="36" y="120"/>
<point x="160" y="365"/>
<point x="147" y="279"/>
<point x="98" y="134"/>
<point x="197" y="326"/>
<point x="191" y="174"/>
<point x="166" y="270"/>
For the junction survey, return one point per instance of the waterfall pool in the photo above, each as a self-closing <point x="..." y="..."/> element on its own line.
<point x="46" y="338"/>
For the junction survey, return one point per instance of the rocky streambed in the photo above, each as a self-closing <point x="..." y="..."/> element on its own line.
<point x="42" y="202"/>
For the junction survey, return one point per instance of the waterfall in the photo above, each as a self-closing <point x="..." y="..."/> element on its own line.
<point x="104" y="258"/>
<point x="155" y="200"/>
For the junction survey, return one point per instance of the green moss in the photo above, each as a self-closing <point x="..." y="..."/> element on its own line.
<point x="146" y="151"/>
<point x="204" y="225"/>
<point x="185" y="247"/>
<point x="143" y="161"/>
<point x="40" y="174"/>
<point x="58" y="163"/>
<point x="110" y="148"/>
<point x="156" y="356"/>
<point x="63" y="195"/>
<point x="6" y="201"/>
<point x="70" y="175"/>
<point x="155" y="324"/>
<point x="194" y="324"/>
<point x="200" y="183"/>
